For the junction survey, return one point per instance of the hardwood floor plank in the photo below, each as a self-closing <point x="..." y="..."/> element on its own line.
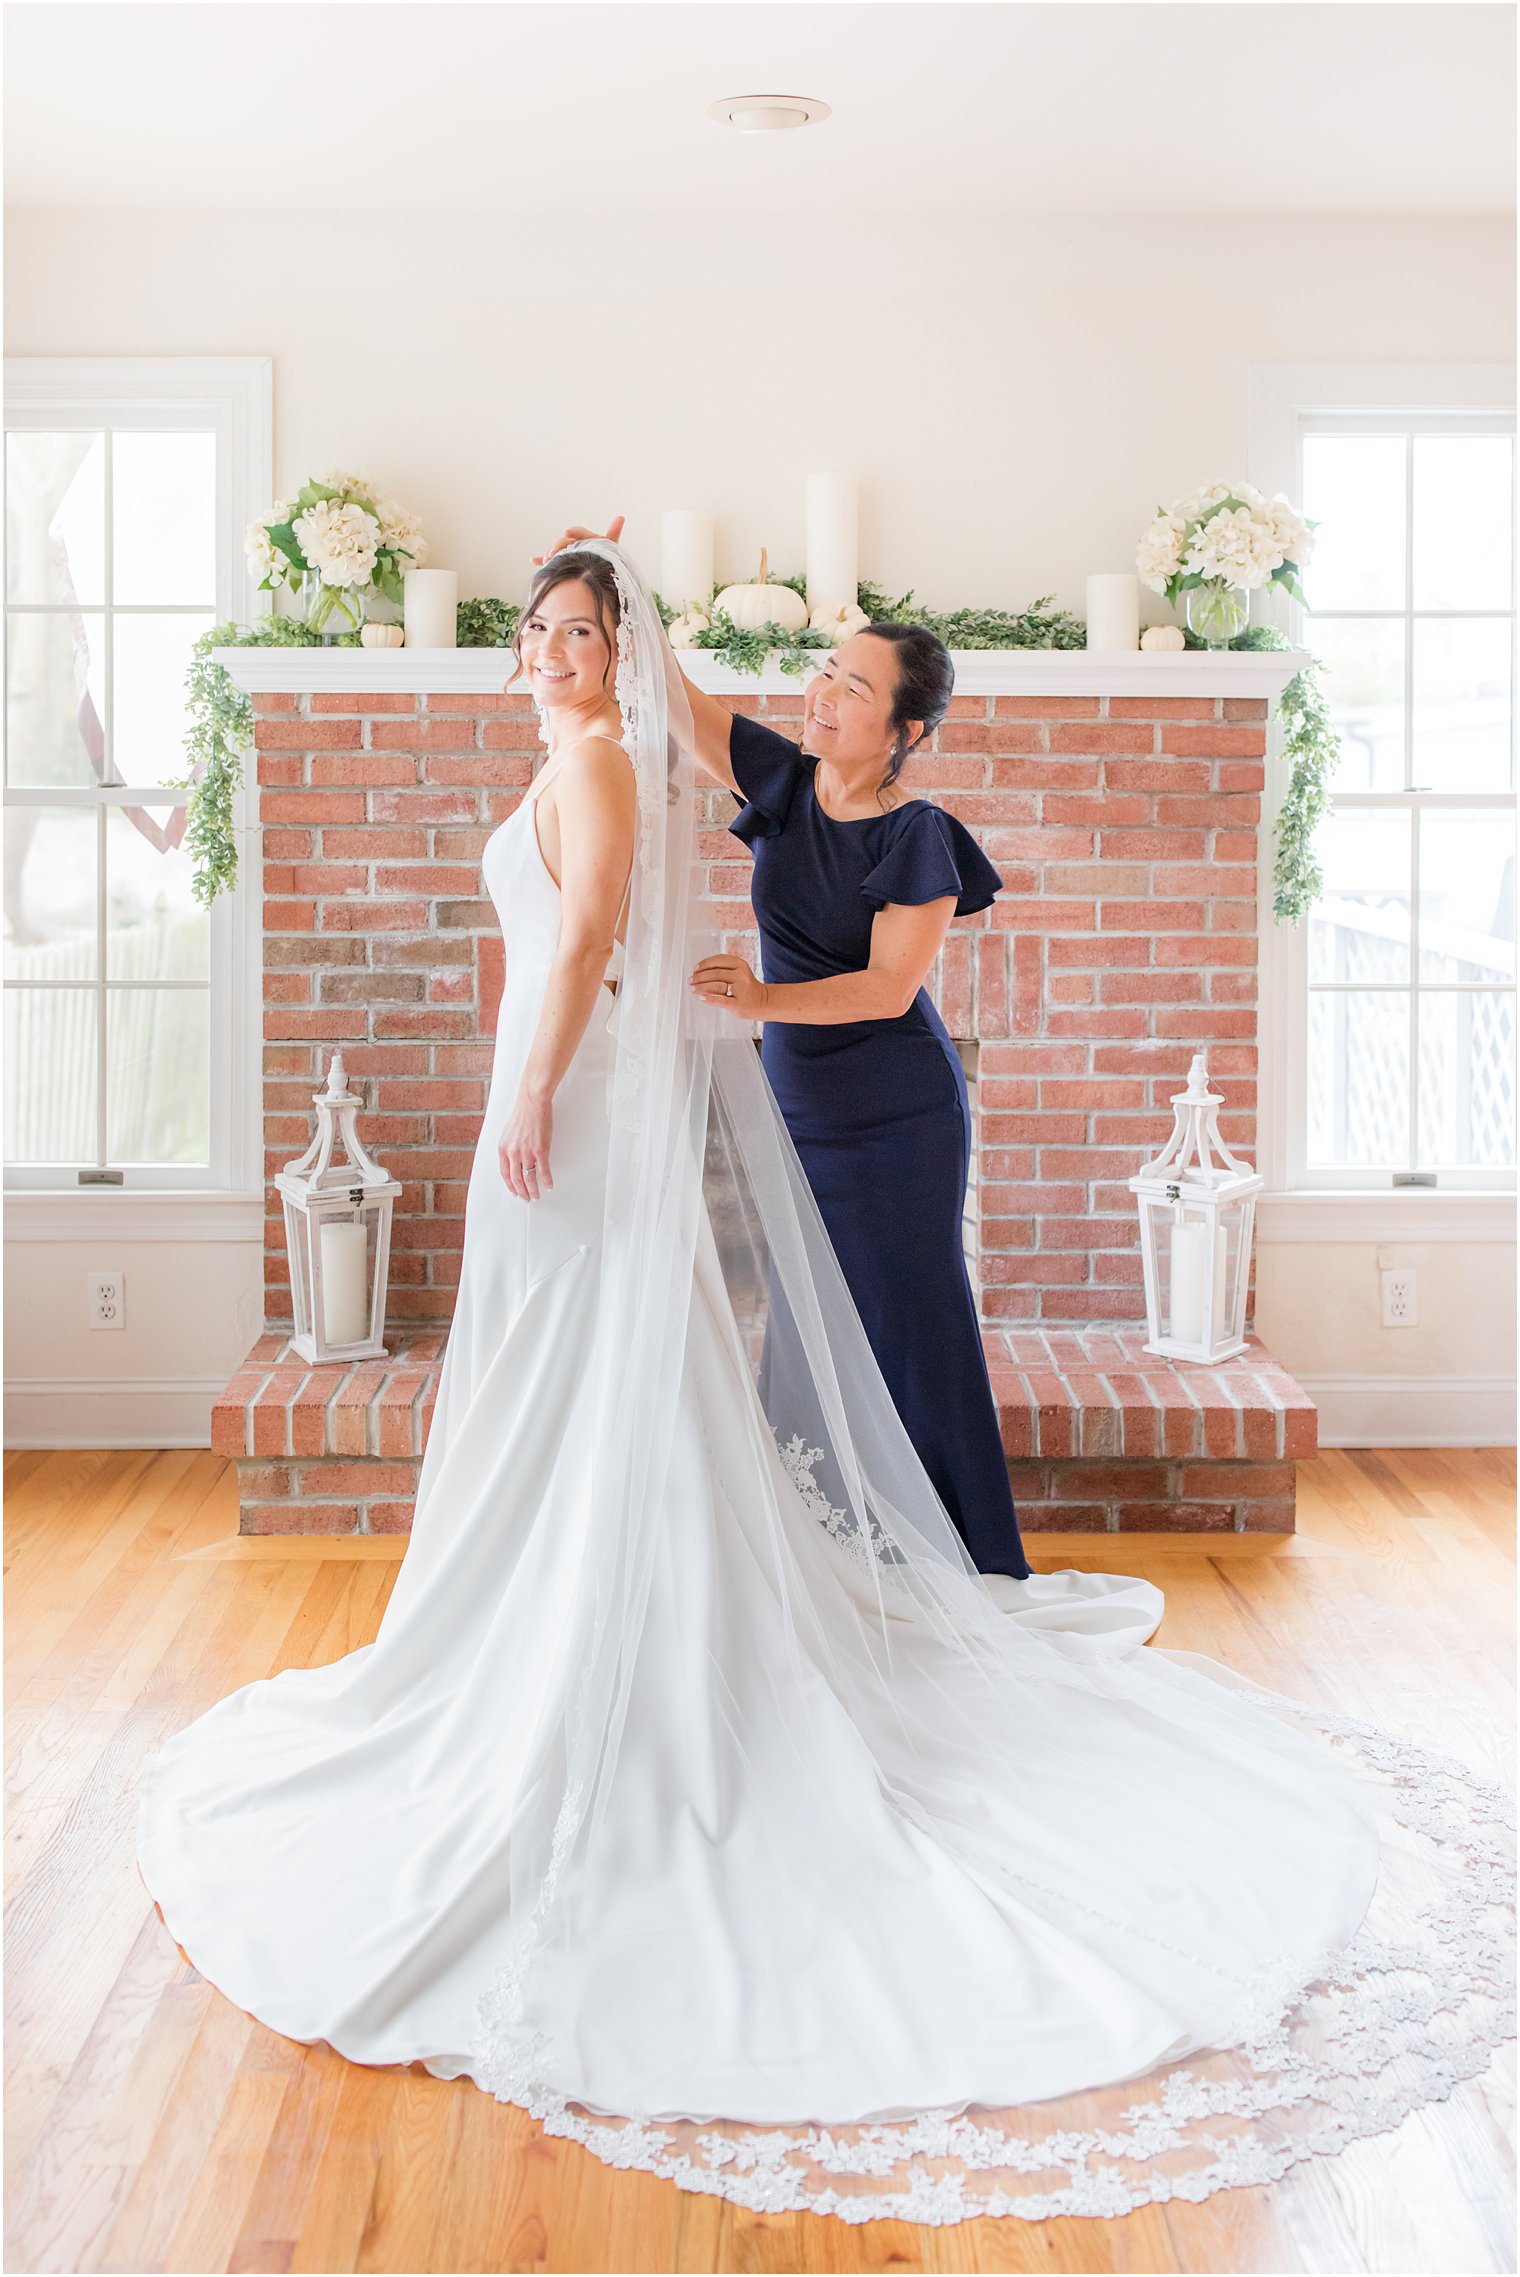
<point x="213" y="2217"/>
<point x="291" y="2167"/>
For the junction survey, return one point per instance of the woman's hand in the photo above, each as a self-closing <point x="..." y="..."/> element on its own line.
<point x="730" y="983"/>
<point x="575" y="536"/>
<point x="523" y="1149"/>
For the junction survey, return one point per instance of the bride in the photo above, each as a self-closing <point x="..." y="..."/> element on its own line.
<point x="696" y="1793"/>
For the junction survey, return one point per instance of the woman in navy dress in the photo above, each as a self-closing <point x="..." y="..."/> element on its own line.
<point x="855" y="886"/>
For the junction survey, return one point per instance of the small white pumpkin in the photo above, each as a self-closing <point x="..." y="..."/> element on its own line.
<point x="839" y="623"/>
<point x="763" y="603"/>
<point x="683" y="631"/>
<point x="1163" y="636"/>
<point x="382" y="636"/>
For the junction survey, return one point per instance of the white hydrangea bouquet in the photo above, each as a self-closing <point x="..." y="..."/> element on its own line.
<point x="337" y="543"/>
<point x="1217" y="546"/>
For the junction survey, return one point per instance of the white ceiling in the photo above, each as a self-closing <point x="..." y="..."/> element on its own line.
<point x="993" y="107"/>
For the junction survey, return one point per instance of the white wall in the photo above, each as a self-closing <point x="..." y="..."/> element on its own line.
<point x="1016" y="402"/>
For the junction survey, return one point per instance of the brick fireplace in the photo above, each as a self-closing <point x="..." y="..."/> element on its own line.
<point x="1120" y="797"/>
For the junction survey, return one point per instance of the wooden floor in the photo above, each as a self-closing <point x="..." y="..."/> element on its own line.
<point x="151" y="2126"/>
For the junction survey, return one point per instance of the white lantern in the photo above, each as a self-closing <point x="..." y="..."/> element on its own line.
<point x="1197" y="1209"/>
<point x="338" y="1234"/>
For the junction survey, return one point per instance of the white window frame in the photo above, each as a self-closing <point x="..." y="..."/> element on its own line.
<point x="230" y="396"/>
<point x="1298" y="1205"/>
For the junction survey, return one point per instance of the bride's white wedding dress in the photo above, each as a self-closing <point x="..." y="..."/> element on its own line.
<point x="807" y="1916"/>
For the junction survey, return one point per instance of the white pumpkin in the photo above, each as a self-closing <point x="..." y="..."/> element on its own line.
<point x="382" y="636"/>
<point x="683" y="632"/>
<point x="839" y="623"/>
<point x="1163" y="636"/>
<point x="762" y="603"/>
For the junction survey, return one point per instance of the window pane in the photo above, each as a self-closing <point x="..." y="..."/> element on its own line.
<point x="1463" y="510"/>
<point x="152" y="657"/>
<point x="1461" y="704"/>
<point x="51" y="853"/>
<point x="1467" y="1079"/>
<point x="155" y="930"/>
<point x="1358" y="1077"/>
<point x="1359" y="929"/>
<point x="1364" y="684"/>
<point x="55" y="522"/>
<point x="1467" y="897"/>
<point x="164" y="518"/>
<point x="1354" y="490"/>
<point x="158" y="1075"/>
<point x="55" y="700"/>
<point x="50" y="1075"/>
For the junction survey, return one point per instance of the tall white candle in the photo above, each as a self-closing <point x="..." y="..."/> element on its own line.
<point x="431" y="597"/>
<point x="833" y="540"/>
<point x="1190" y="1248"/>
<point x="686" y="558"/>
<point x="345" y="1283"/>
<point x="1113" y="611"/>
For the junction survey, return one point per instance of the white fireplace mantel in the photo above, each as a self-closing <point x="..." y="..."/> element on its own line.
<point x="978" y="672"/>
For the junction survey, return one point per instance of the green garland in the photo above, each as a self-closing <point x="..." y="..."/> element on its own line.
<point x="221" y="714"/>
<point x="1312" y="750"/>
<point x="220" y="731"/>
<point x="1041" y="625"/>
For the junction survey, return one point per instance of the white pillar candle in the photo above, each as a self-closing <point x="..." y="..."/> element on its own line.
<point x="345" y="1282"/>
<point x="431" y="598"/>
<point x="1190" y="1247"/>
<point x="1113" y="611"/>
<point x="686" y="558"/>
<point x="833" y="541"/>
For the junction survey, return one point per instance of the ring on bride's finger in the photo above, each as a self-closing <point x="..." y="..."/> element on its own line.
<point x="729" y="990"/>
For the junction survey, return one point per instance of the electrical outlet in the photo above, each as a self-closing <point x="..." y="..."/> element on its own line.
<point x="107" y="1299"/>
<point x="1399" y="1296"/>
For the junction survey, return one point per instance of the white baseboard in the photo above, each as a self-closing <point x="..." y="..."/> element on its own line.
<point x="1414" y="1411"/>
<point x="144" y="1411"/>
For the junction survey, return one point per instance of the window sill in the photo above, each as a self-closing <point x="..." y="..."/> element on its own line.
<point x="99" y="1213"/>
<point x="1409" y="1213"/>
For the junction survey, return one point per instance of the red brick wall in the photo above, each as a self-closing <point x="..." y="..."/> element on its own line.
<point x="1125" y="830"/>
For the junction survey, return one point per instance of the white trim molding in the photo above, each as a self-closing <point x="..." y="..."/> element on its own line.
<point x="132" y="1411"/>
<point x="1405" y="1213"/>
<point x="978" y="672"/>
<point x="1413" y="1411"/>
<point x="96" y="1214"/>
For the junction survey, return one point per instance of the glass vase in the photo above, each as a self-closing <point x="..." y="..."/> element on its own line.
<point x="1217" y="613"/>
<point x="332" y="610"/>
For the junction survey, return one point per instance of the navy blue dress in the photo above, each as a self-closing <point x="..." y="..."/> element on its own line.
<point x="877" y="1110"/>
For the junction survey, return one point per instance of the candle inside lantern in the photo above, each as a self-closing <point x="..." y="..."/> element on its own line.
<point x="686" y="558"/>
<point x="1191" y="1242"/>
<point x="430" y="600"/>
<point x="833" y="541"/>
<point x="345" y="1281"/>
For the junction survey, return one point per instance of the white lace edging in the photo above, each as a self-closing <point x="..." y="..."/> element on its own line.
<point x="1394" y="2021"/>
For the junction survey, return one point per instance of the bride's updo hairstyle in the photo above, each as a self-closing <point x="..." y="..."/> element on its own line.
<point x="594" y="571"/>
<point x="925" y="683"/>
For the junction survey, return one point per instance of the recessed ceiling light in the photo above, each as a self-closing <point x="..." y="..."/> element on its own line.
<point x="767" y="114"/>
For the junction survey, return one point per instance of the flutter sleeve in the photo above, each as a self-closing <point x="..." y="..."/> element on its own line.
<point x="930" y="856"/>
<point x="767" y="769"/>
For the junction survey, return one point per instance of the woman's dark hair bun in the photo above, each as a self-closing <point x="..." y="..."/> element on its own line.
<point x="925" y="684"/>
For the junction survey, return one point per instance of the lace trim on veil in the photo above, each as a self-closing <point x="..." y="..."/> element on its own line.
<point x="1328" y="2053"/>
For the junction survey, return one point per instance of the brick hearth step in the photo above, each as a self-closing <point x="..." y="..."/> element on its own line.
<point x="1100" y="1435"/>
